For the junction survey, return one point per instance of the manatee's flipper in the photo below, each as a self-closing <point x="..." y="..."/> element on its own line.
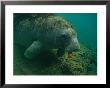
<point x="33" y="50"/>
<point x="60" y="52"/>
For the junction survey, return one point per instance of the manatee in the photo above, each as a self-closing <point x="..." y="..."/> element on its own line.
<point x="38" y="32"/>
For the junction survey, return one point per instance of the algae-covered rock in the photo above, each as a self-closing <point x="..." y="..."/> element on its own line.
<point x="47" y="63"/>
<point x="83" y="62"/>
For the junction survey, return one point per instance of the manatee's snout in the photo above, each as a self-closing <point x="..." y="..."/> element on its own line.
<point x="73" y="46"/>
<point x="76" y="44"/>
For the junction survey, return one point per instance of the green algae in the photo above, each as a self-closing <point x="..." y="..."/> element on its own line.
<point x="46" y="63"/>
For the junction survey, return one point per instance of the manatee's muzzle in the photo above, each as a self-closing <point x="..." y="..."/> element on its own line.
<point x="73" y="46"/>
<point x="76" y="44"/>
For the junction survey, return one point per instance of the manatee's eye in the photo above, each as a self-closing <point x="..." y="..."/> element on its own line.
<point x="65" y="37"/>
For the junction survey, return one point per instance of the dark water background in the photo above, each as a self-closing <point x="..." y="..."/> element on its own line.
<point x="86" y="27"/>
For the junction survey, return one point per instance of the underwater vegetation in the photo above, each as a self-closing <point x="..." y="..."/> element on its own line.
<point x="83" y="62"/>
<point x="46" y="44"/>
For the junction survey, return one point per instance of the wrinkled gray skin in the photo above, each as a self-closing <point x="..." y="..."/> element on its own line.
<point x="52" y="32"/>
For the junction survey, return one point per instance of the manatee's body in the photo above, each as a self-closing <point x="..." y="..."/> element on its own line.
<point x="42" y="32"/>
